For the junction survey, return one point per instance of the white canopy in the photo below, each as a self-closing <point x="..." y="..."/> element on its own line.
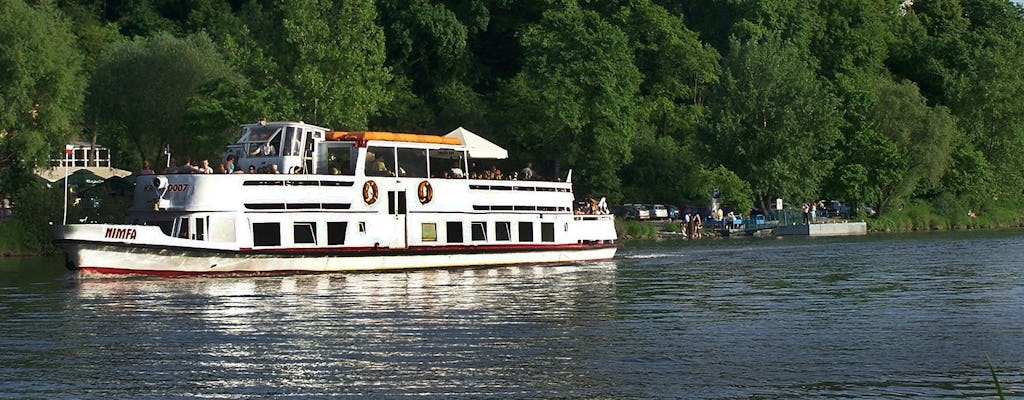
<point x="478" y="146"/>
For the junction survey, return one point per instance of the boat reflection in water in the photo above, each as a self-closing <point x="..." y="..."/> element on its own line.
<point x="467" y="331"/>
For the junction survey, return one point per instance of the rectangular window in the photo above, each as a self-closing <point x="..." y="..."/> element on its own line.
<point x="336" y="233"/>
<point x="266" y="234"/>
<point x="547" y="231"/>
<point x="454" y="230"/>
<point x="503" y="231"/>
<point x="412" y="163"/>
<point x="526" y="231"/>
<point x="183" y="227"/>
<point x="200" y="228"/>
<point x="479" y="231"/>
<point x="380" y="161"/>
<point x="304" y="232"/>
<point x="429" y="231"/>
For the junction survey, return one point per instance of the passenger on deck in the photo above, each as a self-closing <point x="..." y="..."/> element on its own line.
<point x="527" y="172"/>
<point x="146" y="169"/>
<point x="205" y="167"/>
<point x="456" y="172"/>
<point x="252" y="169"/>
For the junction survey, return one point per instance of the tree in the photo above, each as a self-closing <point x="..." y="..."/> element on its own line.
<point x="772" y="122"/>
<point x="41" y="88"/>
<point x="140" y="93"/>
<point x="911" y="144"/>
<point x="334" y="59"/>
<point x="575" y="98"/>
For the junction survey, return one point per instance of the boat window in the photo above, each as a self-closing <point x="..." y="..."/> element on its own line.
<point x="412" y="163"/>
<point x="429" y="231"/>
<point x="182" y="228"/>
<point x="222" y="229"/>
<point x="340" y="159"/>
<point x="264" y="141"/>
<point x="336" y="233"/>
<point x="454" y="231"/>
<point x="200" y="228"/>
<point x="547" y="231"/>
<point x="479" y="231"/>
<point x="526" y="231"/>
<point x="380" y="161"/>
<point x="266" y="234"/>
<point x="447" y="163"/>
<point x="292" y="141"/>
<point x="304" y="232"/>
<point x="503" y="231"/>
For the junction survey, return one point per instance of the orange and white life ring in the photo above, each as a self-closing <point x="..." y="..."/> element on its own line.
<point x="425" y="192"/>
<point x="370" y="192"/>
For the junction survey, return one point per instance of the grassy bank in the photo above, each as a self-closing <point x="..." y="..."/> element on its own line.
<point x="925" y="217"/>
<point x="17" y="239"/>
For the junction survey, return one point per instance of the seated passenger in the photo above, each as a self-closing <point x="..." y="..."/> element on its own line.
<point x="456" y="171"/>
<point x="266" y="149"/>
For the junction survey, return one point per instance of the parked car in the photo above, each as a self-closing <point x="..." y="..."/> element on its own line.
<point x="673" y="212"/>
<point x="630" y="211"/>
<point x="657" y="211"/>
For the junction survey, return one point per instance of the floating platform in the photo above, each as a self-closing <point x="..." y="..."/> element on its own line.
<point x="828" y="229"/>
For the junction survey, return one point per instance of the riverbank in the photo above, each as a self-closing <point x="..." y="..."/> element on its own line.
<point x="912" y="218"/>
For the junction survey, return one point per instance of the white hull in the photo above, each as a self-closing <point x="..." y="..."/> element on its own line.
<point x="119" y="259"/>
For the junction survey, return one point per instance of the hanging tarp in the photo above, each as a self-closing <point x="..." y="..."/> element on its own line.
<point x="478" y="146"/>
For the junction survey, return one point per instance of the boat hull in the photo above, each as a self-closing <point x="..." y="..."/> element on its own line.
<point x="107" y="258"/>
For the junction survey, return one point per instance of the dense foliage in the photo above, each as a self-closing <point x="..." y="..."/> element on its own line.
<point x="877" y="102"/>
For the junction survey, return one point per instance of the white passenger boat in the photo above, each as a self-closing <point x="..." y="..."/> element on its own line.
<point x="345" y="201"/>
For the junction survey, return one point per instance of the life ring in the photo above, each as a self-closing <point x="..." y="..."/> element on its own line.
<point x="370" y="192"/>
<point x="425" y="192"/>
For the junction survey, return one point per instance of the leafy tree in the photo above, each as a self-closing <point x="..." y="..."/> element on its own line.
<point x="772" y="122"/>
<point x="733" y="189"/>
<point x="912" y="143"/>
<point x="335" y="60"/>
<point x="140" y="93"/>
<point x="40" y="88"/>
<point x="575" y="99"/>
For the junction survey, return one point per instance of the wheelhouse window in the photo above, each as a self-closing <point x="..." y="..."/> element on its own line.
<point x="336" y="233"/>
<point x="479" y="231"/>
<point x="503" y="231"/>
<point x="266" y="234"/>
<point x="304" y="232"/>
<point x="222" y="229"/>
<point x="525" y="231"/>
<point x="380" y="161"/>
<point x="264" y="141"/>
<point x="454" y="231"/>
<point x="412" y="162"/>
<point x="292" y="141"/>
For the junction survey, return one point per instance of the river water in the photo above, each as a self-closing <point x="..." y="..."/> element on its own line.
<point x="882" y="316"/>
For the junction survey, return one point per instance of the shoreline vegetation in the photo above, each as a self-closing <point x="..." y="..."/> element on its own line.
<point x="919" y="217"/>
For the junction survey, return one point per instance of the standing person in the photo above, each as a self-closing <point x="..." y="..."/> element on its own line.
<point x="807" y="213"/>
<point x="527" y="172"/>
<point x="687" y="226"/>
<point x="814" y="212"/>
<point x="697" y="225"/>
